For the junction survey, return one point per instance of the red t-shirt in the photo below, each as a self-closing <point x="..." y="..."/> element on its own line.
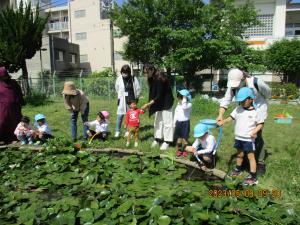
<point x="133" y="117"/>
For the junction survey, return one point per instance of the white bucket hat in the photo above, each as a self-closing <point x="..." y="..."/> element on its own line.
<point x="234" y="78"/>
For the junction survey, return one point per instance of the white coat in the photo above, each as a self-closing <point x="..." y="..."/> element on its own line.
<point x="120" y="89"/>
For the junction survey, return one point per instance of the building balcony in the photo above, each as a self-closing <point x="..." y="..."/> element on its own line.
<point x="58" y="26"/>
<point x="292" y="30"/>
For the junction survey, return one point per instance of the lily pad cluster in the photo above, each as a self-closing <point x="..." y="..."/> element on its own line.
<point x="62" y="185"/>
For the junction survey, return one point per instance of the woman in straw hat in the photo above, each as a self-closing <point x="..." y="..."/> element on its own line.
<point x="76" y="101"/>
<point x="11" y="100"/>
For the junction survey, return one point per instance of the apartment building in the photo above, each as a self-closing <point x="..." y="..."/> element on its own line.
<point x="280" y="19"/>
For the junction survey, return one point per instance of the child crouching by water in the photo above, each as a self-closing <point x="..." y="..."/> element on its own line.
<point x="101" y="126"/>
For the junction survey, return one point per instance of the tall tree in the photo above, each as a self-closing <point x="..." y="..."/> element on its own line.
<point x="283" y="57"/>
<point x="21" y="33"/>
<point x="186" y="35"/>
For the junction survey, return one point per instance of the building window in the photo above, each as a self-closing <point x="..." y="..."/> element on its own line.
<point x="84" y="58"/>
<point x="73" y="58"/>
<point x="266" y="29"/>
<point x="79" y="13"/>
<point x="118" y="56"/>
<point x="59" y="55"/>
<point x="80" y="36"/>
<point x="105" y="6"/>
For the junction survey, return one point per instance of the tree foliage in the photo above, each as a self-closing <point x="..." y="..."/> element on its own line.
<point x="21" y="33"/>
<point x="283" y="57"/>
<point x="186" y="35"/>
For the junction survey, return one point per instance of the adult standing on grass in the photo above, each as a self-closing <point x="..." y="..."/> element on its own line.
<point x="75" y="102"/>
<point x="11" y="101"/>
<point x="128" y="89"/>
<point x="236" y="80"/>
<point x="160" y="102"/>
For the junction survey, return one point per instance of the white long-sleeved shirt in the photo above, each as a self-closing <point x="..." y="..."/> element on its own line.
<point x="183" y="111"/>
<point x="262" y="94"/>
<point x="99" y="126"/>
<point x="207" y="145"/>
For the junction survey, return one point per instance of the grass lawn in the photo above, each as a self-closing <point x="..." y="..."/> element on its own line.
<point x="281" y="140"/>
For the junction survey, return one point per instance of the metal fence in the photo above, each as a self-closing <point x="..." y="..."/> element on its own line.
<point x="92" y="86"/>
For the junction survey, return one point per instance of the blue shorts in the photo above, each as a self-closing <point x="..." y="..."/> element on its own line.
<point x="182" y="129"/>
<point x="246" y="146"/>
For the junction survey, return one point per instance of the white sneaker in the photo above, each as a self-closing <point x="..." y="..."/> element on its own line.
<point x="164" y="146"/>
<point x="117" y="134"/>
<point x="127" y="143"/>
<point x="126" y="134"/>
<point x="136" y="144"/>
<point x="154" y="143"/>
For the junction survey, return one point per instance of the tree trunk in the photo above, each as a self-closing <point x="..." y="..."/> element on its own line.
<point x="25" y="82"/>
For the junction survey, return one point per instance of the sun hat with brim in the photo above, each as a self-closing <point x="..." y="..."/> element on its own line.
<point x="234" y="78"/>
<point x="185" y="93"/>
<point x="200" y="129"/>
<point x="69" y="88"/>
<point x="244" y="93"/>
<point x="3" y="72"/>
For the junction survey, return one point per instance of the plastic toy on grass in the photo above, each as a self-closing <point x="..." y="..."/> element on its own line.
<point x="211" y="123"/>
<point x="284" y="118"/>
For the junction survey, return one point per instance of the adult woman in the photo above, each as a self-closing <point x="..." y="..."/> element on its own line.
<point x="128" y="89"/>
<point x="160" y="102"/>
<point x="76" y="101"/>
<point x="11" y="100"/>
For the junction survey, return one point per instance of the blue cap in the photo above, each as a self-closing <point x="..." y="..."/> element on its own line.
<point x="186" y="93"/>
<point x="200" y="129"/>
<point x="39" y="117"/>
<point x="244" y="93"/>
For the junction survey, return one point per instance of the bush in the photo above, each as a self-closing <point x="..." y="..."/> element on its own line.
<point x="284" y="90"/>
<point x="104" y="73"/>
<point x="36" y="98"/>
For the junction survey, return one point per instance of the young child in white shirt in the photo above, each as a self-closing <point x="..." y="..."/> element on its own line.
<point x="24" y="132"/>
<point x="248" y="122"/>
<point x="204" y="144"/>
<point x="100" y="126"/>
<point x="43" y="132"/>
<point x="182" y="121"/>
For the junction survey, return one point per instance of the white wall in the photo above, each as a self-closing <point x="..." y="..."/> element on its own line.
<point x="97" y="45"/>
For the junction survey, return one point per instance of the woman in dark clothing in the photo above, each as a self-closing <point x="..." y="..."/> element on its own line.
<point x="160" y="102"/>
<point x="11" y="101"/>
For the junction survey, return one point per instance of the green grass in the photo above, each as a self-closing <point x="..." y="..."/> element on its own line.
<point x="281" y="140"/>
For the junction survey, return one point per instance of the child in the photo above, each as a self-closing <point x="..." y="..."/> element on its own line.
<point x="132" y="122"/>
<point x="182" y="121"/>
<point x="101" y="126"/>
<point x="43" y="132"/>
<point x="204" y="144"/>
<point x="24" y="132"/>
<point x="247" y="124"/>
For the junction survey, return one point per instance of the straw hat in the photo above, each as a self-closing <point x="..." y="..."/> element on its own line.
<point x="69" y="88"/>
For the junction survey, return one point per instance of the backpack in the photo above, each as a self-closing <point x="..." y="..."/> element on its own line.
<point x="267" y="93"/>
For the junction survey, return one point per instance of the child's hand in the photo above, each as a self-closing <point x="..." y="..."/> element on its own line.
<point x="253" y="135"/>
<point x="221" y="122"/>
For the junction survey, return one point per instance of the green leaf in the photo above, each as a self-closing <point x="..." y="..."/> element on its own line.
<point x="164" y="220"/>
<point x="86" y="215"/>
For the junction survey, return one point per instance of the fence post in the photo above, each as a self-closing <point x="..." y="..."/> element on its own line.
<point x="80" y="80"/>
<point x="53" y="83"/>
<point x="108" y="82"/>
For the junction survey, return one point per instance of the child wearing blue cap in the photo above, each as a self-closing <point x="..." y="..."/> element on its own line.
<point x="182" y="121"/>
<point x="247" y="123"/>
<point x="43" y="132"/>
<point x="204" y="143"/>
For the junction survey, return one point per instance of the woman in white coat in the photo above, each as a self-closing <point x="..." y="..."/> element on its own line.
<point x="127" y="88"/>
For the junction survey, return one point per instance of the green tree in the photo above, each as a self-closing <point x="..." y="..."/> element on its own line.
<point x="21" y="33"/>
<point x="185" y="35"/>
<point x="283" y="57"/>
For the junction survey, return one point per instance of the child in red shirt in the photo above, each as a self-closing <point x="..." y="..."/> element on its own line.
<point x="132" y="122"/>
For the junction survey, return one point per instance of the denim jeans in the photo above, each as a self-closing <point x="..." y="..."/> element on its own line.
<point x="73" y="122"/>
<point x="25" y="137"/>
<point x="119" y="122"/>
